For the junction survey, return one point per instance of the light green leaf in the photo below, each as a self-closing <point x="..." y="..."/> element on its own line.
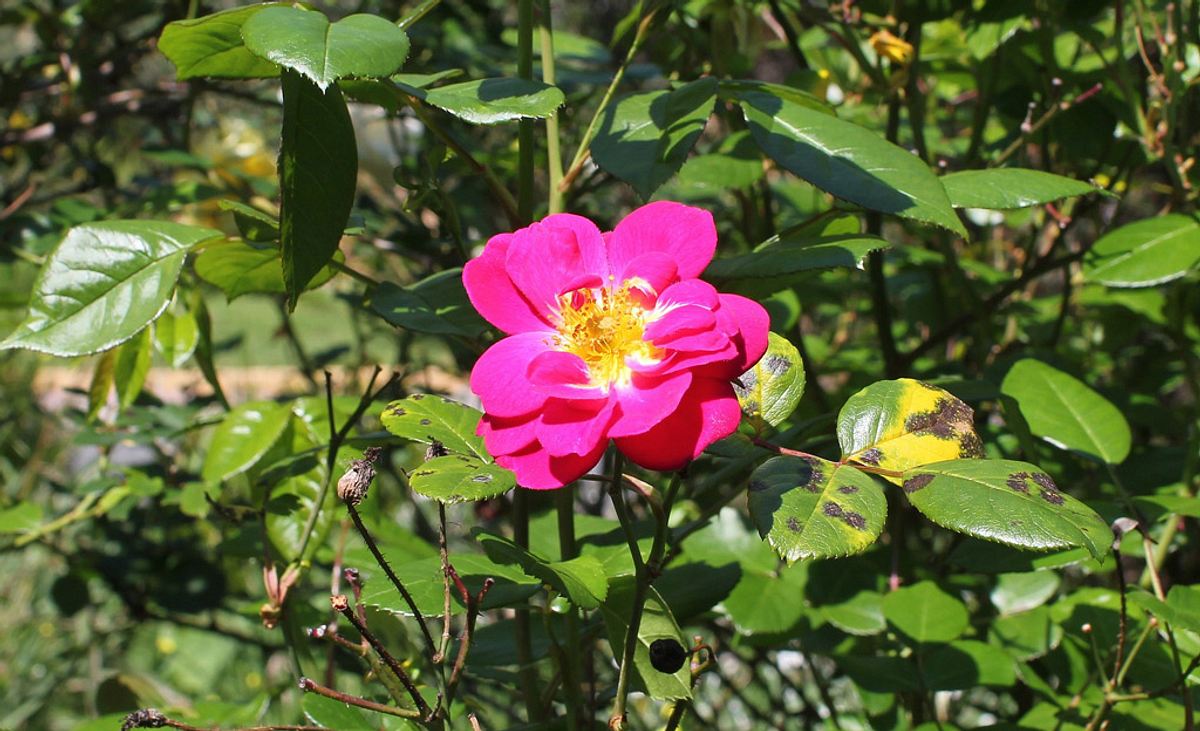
<point x="427" y="418"/>
<point x="20" y="518"/>
<point x="335" y="714"/>
<point x="456" y="479"/>
<point x="131" y="366"/>
<point x="645" y="137"/>
<point x="102" y="383"/>
<point x="925" y="613"/>
<point x="423" y="579"/>
<point x="849" y="161"/>
<point x="772" y="389"/>
<point x="318" y="173"/>
<point x="1008" y="502"/>
<point x="1067" y="413"/>
<point x="1016" y="593"/>
<point x="305" y="41"/>
<point x="243" y="437"/>
<point x="813" y="508"/>
<point x="1145" y="253"/>
<point x="240" y="268"/>
<point x="1181" y="610"/>
<point x="175" y="337"/>
<point x="253" y="224"/>
<point x="212" y="46"/>
<point x="437" y="304"/>
<point x="580" y="579"/>
<point x="735" y="163"/>
<point x="657" y="623"/>
<point x="491" y="101"/>
<point x="764" y="602"/>
<point x="103" y="284"/>
<point x="1026" y="636"/>
<point x="295" y="497"/>
<point x="861" y="614"/>
<point x="1007" y="188"/>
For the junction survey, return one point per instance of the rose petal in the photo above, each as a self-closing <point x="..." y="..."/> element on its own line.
<point x="551" y="257"/>
<point x="647" y="400"/>
<point x="499" y="379"/>
<point x="575" y="427"/>
<point x="537" y="469"/>
<point x="562" y="375"/>
<point x="685" y="233"/>
<point x="709" y="411"/>
<point x="493" y="293"/>
<point x="650" y="273"/>
<point x="505" y="436"/>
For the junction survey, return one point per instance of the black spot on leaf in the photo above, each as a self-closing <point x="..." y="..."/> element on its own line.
<point x="1016" y="481"/>
<point x="1044" y="481"/>
<point x="916" y="482"/>
<point x="794" y="525"/>
<point x="1054" y="497"/>
<point x="426" y="422"/>
<point x="417" y="396"/>
<point x="776" y="364"/>
<point x="833" y="510"/>
<point x="871" y="457"/>
<point x="847" y="489"/>
<point x="854" y="520"/>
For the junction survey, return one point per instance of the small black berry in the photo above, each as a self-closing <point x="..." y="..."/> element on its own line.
<point x="667" y="655"/>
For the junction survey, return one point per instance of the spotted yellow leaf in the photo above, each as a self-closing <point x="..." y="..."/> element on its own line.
<point x="901" y="424"/>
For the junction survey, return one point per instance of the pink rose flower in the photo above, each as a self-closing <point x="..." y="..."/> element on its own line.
<point x="610" y="336"/>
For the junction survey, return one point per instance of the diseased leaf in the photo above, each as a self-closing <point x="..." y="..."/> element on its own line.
<point x="318" y="173"/>
<point x="456" y="479"/>
<point x="1145" y="253"/>
<point x="212" y="46"/>
<point x="925" y="613"/>
<point x="103" y="283"/>
<point x="1007" y="188"/>
<point x="813" y="508"/>
<point x="646" y="136"/>
<point x="492" y="101"/>
<point x="428" y="418"/>
<point x="437" y="304"/>
<point x="306" y="42"/>
<point x="849" y="161"/>
<point x="1008" y="502"/>
<point x="772" y="389"/>
<point x="1066" y="412"/>
<point x="657" y="623"/>
<point x="243" y="437"/>
<point x="895" y="425"/>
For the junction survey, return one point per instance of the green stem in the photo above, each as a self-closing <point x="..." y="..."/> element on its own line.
<point x="525" y="126"/>
<point x="553" y="150"/>
<point x="564" y="500"/>
<point x="417" y="13"/>
<point x="581" y="154"/>
<point x="526" y="673"/>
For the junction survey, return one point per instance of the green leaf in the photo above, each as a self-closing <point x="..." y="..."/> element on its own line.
<point x="1145" y="253"/>
<point x="657" y="623"/>
<point x="20" y="518"/>
<point x="965" y="664"/>
<point x="240" y="268"/>
<point x="426" y="418"/>
<point x="297" y="496"/>
<point x="243" y="437"/>
<point x="1007" y="188"/>
<point x="437" y="304"/>
<point x="491" y="101"/>
<point x="580" y="579"/>
<point x="103" y="284"/>
<point x="1016" y="593"/>
<point x="318" y="172"/>
<point x="904" y="423"/>
<point x="306" y="42"/>
<point x="786" y="254"/>
<point x="1067" y="413"/>
<point x="735" y="163"/>
<point x="1008" y="502"/>
<point x="849" y="161"/>
<point x="423" y="579"/>
<point x="131" y="366"/>
<point x="771" y="390"/>
<point x="175" y="337"/>
<point x="456" y="479"/>
<point x="925" y="613"/>
<point x="1026" y="636"/>
<point x="335" y="714"/>
<point x="645" y="137"/>
<point x="764" y="602"/>
<point x="253" y="224"/>
<point x="813" y="508"/>
<point x="1181" y="610"/>
<point x="102" y="383"/>
<point x="212" y="46"/>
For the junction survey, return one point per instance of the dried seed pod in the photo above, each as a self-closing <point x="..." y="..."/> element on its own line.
<point x="352" y="487"/>
<point x="435" y="449"/>
<point x="145" y="718"/>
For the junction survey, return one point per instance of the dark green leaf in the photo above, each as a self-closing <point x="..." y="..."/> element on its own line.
<point x="1145" y="253"/>
<point x="212" y="46"/>
<point x="437" y="304"/>
<point x="966" y="664"/>
<point x="847" y="160"/>
<point x="297" y="496"/>
<point x="657" y="623"/>
<point x="253" y="224"/>
<point x="735" y="163"/>
<point x="764" y="602"/>
<point x="456" y="479"/>
<point x="240" y="268"/>
<point x="786" y="254"/>
<point x="103" y="284"/>
<point x="1066" y="412"/>
<point x="646" y="136"/>
<point x="813" y="508"/>
<point x="1006" y="188"/>
<point x="580" y="579"/>
<point x="925" y="613"/>
<point x="306" y="42"/>
<point x="427" y="418"/>
<point x="861" y="614"/>
<point x="243" y="437"/>
<point x="771" y="390"/>
<point x="1014" y="503"/>
<point x="491" y="101"/>
<point x="318" y="173"/>
<point x="423" y="579"/>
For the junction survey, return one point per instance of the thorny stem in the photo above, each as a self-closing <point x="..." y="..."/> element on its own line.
<point x="1030" y="130"/>
<point x="151" y="718"/>
<point x="342" y="605"/>
<point x="845" y="462"/>
<point x="464" y="645"/>
<point x="445" y="555"/>
<point x="308" y="686"/>
<point x="581" y="155"/>
<point x="387" y="569"/>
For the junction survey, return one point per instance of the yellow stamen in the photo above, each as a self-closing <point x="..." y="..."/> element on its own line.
<point x="604" y="327"/>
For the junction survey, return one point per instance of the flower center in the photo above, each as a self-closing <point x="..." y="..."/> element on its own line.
<point x="604" y="327"/>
